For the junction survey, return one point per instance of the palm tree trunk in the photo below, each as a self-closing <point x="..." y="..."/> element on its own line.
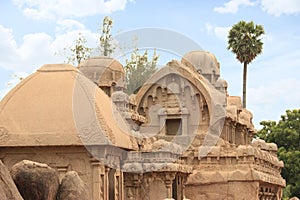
<point x="244" y="84"/>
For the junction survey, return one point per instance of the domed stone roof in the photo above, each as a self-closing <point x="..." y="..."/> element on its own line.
<point x="203" y="61"/>
<point x="58" y="105"/>
<point x="103" y="71"/>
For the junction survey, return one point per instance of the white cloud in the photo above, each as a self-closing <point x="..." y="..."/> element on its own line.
<point x="272" y="7"/>
<point x="270" y="101"/>
<point x="34" y="51"/>
<point x="15" y="79"/>
<point x="279" y="92"/>
<point x="67" y="40"/>
<point x="37" y="49"/>
<point x="232" y="6"/>
<point x="36" y="14"/>
<point x="68" y="25"/>
<point x="7" y="45"/>
<point x="218" y="31"/>
<point x="280" y="7"/>
<point x="41" y="9"/>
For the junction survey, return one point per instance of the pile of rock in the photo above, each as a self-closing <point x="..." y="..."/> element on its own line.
<point x="30" y="180"/>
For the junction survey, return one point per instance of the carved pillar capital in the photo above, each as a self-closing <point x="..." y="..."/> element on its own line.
<point x="107" y="169"/>
<point x="170" y="176"/>
<point x="228" y="122"/>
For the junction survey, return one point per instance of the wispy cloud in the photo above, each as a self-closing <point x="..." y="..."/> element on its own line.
<point x="269" y="101"/>
<point x="280" y="92"/>
<point x="280" y="7"/>
<point x="276" y="8"/>
<point x="52" y="9"/>
<point x="218" y="31"/>
<point x="37" y="49"/>
<point x="233" y="6"/>
<point x="67" y="25"/>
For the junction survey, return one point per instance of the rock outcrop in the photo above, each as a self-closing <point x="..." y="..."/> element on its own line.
<point x="8" y="189"/>
<point x="72" y="187"/>
<point x="35" y="181"/>
<point x="294" y="198"/>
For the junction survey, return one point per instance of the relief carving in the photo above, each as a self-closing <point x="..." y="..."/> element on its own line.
<point x="3" y="135"/>
<point x="145" y="187"/>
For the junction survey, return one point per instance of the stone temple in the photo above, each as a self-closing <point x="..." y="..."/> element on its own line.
<point x="181" y="136"/>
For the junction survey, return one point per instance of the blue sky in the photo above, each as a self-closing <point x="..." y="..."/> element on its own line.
<point x="34" y="33"/>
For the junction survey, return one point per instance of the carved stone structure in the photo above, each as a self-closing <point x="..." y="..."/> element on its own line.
<point x="180" y="137"/>
<point x="8" y="189"/>
<point x="106" y="72"/>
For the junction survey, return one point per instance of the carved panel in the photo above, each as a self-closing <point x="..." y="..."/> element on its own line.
<point x="3" y="135"/>
<point x="173" y="97"/>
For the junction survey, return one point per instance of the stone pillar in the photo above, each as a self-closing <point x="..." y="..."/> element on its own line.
<point x="169" y="177"/>
<point x="106" y="183"/>
<point x="119" y="192"/>
<point x="227" y="130"/>
<point x="137" y="185"/>
<point x="184" y="125"/>
<point x="233" y="132"/>
<point x="184" y="121"/>
<point x="184" y="179"/>
<point x="128" y="186"/>
<point x="240" y="135"/>
<point x="169" y="188"/>
<point x="162" y="121"/>
<point x="97" y="178"/>
<point x="250" y="136"/>
<point x="245" y="135"/>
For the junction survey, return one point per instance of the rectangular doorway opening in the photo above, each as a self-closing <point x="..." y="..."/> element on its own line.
<point x="173" y="127"/>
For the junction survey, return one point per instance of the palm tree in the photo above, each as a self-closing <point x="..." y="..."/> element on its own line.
<point x="244" y="41"/>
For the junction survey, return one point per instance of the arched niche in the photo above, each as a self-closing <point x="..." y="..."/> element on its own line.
<point x="178" y="98"/>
